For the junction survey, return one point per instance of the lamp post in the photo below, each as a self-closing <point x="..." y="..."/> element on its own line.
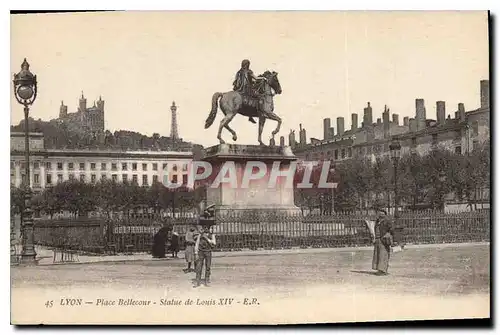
<point x="332" y="170"/>
<point x="25" y="91"/>
<point x="395" y="148"/>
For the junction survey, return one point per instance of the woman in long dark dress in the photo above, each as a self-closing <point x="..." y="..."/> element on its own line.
<point x="159" y="241"/>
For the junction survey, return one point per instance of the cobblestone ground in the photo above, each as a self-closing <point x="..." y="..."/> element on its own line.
<point x="428" y="282"/>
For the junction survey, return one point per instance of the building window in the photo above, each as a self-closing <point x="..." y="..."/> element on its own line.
<point x="92" y="166"/>
<point x="155" y="166"/>
<point x="414" y="141"/>
<point x="48" y="165"/>
<point x="114" y="167"/>
<point x="124" y="166"/>
<point x="185" y="167"/>
<point x="36" y="165"/>
<point x="134" y="166"/>
<point x="144" y="166"/>
<point x="336" y="154"/>
<point x="82" y="166"/>
<point x="82" y="178"/>
<point x="134" y="179"/>
<point x="184" y="179"/>
<point x="475" y="128"/>
<point x="103" y="166"/>
<point x="174" y="179"/>
<point x="475" y="144"/>
<point x="12" y="179"/>
<point x="49" y="179"/>
<point x="114" y="178"/>
<point x="71" y="177"/>
<point x="458" y="150"/>
<point x="343" y="153"/>
<point x="59" y="166"/>
<point x="144" y="180"/>
<point x="103" y="176"/>
<point x="23" y="179"/>
<point x="12" y="166"/>
<point x="165" y="165"/>
<point x="36" y="179"/>
<point x="124" y="178"/>
<point x="155" y="179"/>
<point x="349" y="152"/>
<point x="70" y="166"/>
<point x="59" y="178"/>
<point x="93" y="178"/>
<point x="369" y="150"/>
<point x="174" y="167"/>
<point x="328" y="153"/>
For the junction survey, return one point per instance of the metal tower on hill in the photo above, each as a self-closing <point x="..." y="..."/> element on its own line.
<point x="174" y="133"/>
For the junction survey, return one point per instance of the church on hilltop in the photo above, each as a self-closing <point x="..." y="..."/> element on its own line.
<point x="88" y="120"/>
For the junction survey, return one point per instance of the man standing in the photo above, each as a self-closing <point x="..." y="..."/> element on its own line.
<point x="203" y="254"/>
<point x="382" y="242"/>
<point x="189" y="253"/>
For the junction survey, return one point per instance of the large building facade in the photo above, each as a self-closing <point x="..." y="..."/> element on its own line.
<point x="461" y="133"/>
<point x="50" y="166"/>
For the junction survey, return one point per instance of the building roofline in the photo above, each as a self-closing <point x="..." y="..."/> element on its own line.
<point x="108" y="154"/>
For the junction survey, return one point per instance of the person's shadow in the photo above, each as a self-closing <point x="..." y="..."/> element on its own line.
<point x="373" y="273"/>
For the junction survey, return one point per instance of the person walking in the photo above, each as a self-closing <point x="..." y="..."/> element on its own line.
<point x="203" y="254"/>
<point x="382" y="241"/>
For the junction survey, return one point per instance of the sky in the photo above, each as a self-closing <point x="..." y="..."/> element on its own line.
<point x="329" y="64"/>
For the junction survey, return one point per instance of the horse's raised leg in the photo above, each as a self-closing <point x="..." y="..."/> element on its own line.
<point x="272" y="116"/>
<point x="232" y="132"/>
<point x="262" y="120"/>
<point x="223" y="124"/>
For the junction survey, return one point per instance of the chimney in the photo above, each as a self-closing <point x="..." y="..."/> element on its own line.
<point x="354" y="121"/>
<point x="302" y="135"/>
<point x="379" y="121"/>
<point x="420" y="116"/>
<point x="461" y="112"/>
<point x="367" y="116"/>
<point x="406" y="121"/>
<point x="413" y="125"/>
<point x="395" y="119"/>
<point x="340" y="126"/>
<point x="326" y="128"/>
<point x="440" y="112"/>
<point x="385" y="119"/>
<point x="291" y="139"/>
<point x="282" y="141"/>
<point x="485" y="93"/>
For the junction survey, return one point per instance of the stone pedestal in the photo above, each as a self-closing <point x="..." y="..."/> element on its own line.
<point x="258" y="196"/>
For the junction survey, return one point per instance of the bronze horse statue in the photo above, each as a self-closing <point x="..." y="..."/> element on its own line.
<point x="231" y="103"/>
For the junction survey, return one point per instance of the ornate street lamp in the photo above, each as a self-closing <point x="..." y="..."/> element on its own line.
<point x="332" y="171"/>
<point x="395" y="149"/>
<point x="25" y="91"/>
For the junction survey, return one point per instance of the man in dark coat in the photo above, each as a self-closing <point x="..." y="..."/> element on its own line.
<point x="159" y="241"/>
<point x="382" y="242"/>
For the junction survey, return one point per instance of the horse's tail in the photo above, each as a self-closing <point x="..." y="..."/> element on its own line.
<point x="213" y="112"/>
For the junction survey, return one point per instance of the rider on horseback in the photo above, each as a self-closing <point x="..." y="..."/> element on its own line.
<point x="243" y="83"/>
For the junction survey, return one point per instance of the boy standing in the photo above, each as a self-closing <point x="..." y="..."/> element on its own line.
<point x="189" y="253"/>
<point x="205" y="242"/>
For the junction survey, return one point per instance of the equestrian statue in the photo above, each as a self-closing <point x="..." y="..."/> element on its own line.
<point x="252" y="96"/>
